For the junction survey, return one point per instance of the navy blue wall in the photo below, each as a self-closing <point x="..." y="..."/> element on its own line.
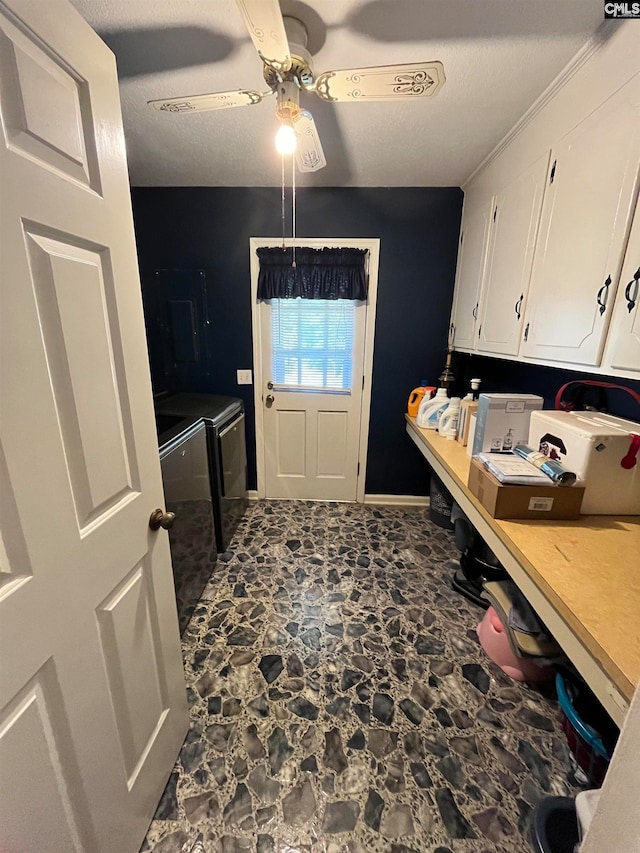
<point x="502" y="376"/>
<point x="209" y="228"/>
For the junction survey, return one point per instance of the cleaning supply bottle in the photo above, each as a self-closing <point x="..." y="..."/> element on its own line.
<point x="448" y="423"/>
<point x="430" y="410"/>
<point x="416" y="397"/>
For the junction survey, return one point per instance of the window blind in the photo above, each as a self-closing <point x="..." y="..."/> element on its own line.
<point x="312" y="343"/>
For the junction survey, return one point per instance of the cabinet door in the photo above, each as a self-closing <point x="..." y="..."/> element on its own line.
<point x="473" y="247"/>
<point x="516" y="216"/>
<point x="625" y="326"/>
<point x="585" y="221"/>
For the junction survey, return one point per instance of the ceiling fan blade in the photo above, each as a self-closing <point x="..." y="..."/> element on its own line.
<point x="382" y="82"/>
<point x="215" y="101"/>
<point x="263" y="19"/>
<point x="309" y="154"/>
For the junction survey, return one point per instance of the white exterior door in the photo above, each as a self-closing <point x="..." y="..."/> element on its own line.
<point x="92" y="698"/>
<point x="313" y="375"/>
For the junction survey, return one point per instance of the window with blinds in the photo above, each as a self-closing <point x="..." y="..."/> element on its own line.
<point x="312" y="343"/>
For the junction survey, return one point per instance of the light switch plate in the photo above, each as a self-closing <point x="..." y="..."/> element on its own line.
<point x="244" y="377"/>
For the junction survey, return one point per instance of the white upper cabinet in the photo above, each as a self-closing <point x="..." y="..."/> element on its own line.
<point x="624" y="353"/>
<point x="583" y="230"/>
<point x="473" y="246"/>
<point x="516" y="216"/>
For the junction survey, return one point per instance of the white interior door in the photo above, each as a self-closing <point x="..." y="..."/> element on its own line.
<point x="312" y="387"/>
<point x="92" y="699"/>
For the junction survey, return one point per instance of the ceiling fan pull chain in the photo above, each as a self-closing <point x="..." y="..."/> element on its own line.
<point x="282" y="159"/>
<point x="293" y="208"/>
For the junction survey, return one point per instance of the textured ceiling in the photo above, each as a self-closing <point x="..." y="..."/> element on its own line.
<point x="499" y="55"/>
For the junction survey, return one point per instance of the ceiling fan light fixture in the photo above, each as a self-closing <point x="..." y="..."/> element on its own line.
<point x="286" y="140"/>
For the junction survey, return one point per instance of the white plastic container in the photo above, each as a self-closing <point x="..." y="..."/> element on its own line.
<point x="430" y="410"/>
<point x="448" y="423"/>
<point x="593" y="445"/>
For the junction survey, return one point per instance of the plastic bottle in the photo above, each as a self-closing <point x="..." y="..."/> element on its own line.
<point x="448" y="423"/>
<point x="475" y="389"/>
<point x="416" y="397"/>
<point x="430" y="410"/>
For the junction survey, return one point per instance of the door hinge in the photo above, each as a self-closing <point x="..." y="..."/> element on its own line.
<point x="461" y="237"/>
<point x="495" y="213"/>
<point x="480" y="330"/>
<point x="526" y="332"/>
<point x="358" y="469"/>
<point x="363" y="383"/>
<point x="552" y="176"/>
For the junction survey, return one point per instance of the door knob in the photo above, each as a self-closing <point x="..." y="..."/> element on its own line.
<point x="159" y="518"/>
<point x="269" y="400"/>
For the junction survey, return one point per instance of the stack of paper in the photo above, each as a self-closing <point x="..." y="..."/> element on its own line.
<point x="514" y="470"/>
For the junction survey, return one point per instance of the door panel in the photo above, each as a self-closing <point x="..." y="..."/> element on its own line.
<point x="45" y="774"/>
<point x="131" y="662"/>
<point x="291" y="432"/>
<point x="92" y="698"/>
<point x="71" y="300"/>
<point x="34" y="78"/>
<point x="333" y="435"/>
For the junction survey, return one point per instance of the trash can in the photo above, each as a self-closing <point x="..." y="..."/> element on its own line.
<point x="440" y="503"/>
<point x="554" y="827"/>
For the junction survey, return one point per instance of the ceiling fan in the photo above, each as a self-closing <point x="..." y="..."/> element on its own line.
<point x="281" y="43"/>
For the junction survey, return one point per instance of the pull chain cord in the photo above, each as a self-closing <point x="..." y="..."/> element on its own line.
<point x="293" y="207"/>
<point x="282" y="160"/>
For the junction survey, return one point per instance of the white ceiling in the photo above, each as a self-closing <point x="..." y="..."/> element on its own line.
<point x="499" y="55"/>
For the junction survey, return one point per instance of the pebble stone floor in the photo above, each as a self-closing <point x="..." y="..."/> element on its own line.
<point x="340" y="700"/>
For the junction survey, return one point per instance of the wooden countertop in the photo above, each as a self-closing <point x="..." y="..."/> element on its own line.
<point x="588" y="570"/>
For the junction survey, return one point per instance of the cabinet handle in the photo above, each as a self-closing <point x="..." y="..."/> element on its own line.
<point x="602" y="296"/>
<point x="518" y="306"/>
<point x="635" y="283"/>
<point x="475" y="312"/>
<point x="526" y="332"/>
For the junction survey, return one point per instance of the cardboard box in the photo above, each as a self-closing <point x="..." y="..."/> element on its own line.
<point x="592" y="445"/>
<point x="503" y="421"/>
<point x="467" y="408"/>
<point x="533" y="502"/>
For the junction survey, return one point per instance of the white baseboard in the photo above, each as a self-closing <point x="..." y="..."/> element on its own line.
<point x="397" y="500"/>
<point x="388" y="500"/>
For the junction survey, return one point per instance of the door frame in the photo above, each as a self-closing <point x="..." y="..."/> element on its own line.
<point x="373" y="247"/>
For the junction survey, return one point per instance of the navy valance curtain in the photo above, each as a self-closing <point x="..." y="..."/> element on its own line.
<point x="318" y="274"/>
